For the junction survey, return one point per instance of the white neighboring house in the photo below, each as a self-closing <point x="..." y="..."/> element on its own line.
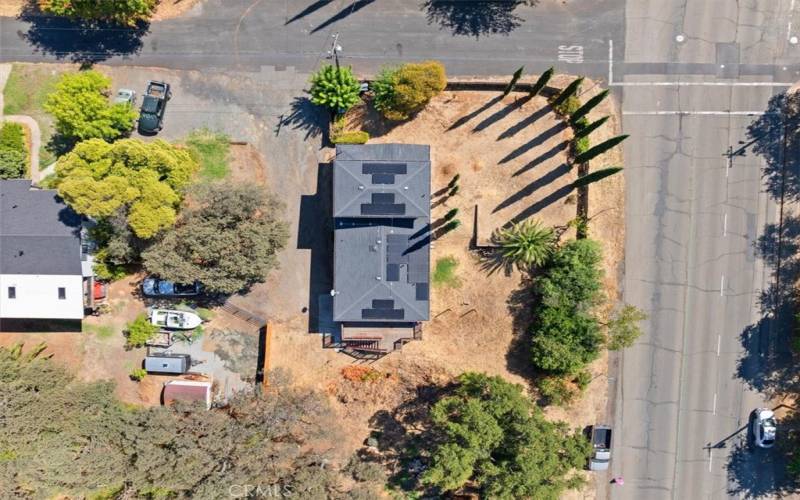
<point x="41" y="271"/>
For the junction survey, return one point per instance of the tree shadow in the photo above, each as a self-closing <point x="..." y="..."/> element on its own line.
<point x="80" y="41"/>
<point x="767" y="364"/>
<point x="561" y="146"/>
<point x="531" y="188"/>
<point x="351" y="8"/>
<point x="540" y="205"/>
<point x="476" y="17"/>
<point x="468" y="117"/>
<point x="530" y="120"/>
<point x="535" y="142"/>
<point x="501" y="113"/>
<point x="767" y="135"/>
<point x="308" y="10"/>
<point x="307" y="117"/>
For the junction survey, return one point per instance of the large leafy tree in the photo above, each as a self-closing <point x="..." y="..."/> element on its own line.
<point x="143" y="179"/>
<point x="227" y="239"/>
<point x="566" y="334"/>
<point x="82" y="110"/>
<point x="62" y="437"/>
<point x="489" y="435"/>
<point x="127" y="12"/>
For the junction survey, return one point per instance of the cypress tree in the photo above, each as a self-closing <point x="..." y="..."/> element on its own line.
<point x="513" y="82"/>
<point x="584" y="110"/>
<point x="451" y="214"/>
<point x="588" y="129"/>
<point x="568" y="91"/>
<point x="595" y="176"/>
<point x="600" y="148"/>
<point x="542" y="81"/>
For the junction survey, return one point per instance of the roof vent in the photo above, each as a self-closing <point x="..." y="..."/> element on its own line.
<point x="379" y="241"/>
<point x="378" y="278"/>
<point x="405" y="187"/>
<point x="361" y="187"/>
<point x="373" y="248"/>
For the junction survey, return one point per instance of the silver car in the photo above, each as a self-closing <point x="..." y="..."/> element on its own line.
<point x="125" y="96"/>
<point x="764" y="428"/>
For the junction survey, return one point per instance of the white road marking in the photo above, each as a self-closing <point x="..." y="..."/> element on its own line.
<point x="710" y="459"/>
<point x="700" y="84"/>
<point x="714" y="409"/>
<point x="725" y="219"/>
<point x="700" y="113"/>
<point x="789" y="27"/>
<point x="719" y="343"/>
<point x="722" y="285"/>
<point x="610" y="61"/>
<point x="571" y="54"/>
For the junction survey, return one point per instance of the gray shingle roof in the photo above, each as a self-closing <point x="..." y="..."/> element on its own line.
<point x="381" y="253"/>
<point x="39" y="234"/>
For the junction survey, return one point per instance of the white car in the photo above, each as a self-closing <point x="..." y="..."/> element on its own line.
<point x="764" y="428"/>
<point x="125" y="96"/>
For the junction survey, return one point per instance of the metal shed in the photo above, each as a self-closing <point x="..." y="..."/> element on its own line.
<point x="167" y="363"/>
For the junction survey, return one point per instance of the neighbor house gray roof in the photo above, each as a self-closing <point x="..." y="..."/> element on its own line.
<point x="39" y="234"/>
<point x="381" y="252"/>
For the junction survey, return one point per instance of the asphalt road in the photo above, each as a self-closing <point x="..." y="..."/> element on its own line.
<point x="471" y="37"/>
<point x="693" y="218"/>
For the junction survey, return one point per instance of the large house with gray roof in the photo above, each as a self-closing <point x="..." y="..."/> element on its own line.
<point x="41" y="259"/>
<point x="381" y="216"/>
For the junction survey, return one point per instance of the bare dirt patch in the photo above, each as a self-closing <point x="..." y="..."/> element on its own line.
<point x="168" y="9"/>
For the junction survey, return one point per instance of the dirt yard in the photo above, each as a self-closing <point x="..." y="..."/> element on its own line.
<point x="511" y="156"/>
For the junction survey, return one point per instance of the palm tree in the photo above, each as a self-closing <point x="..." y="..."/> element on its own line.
<point x="527" y="244"/>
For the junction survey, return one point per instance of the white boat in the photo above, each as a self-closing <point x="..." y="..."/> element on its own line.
<point x="178" y="320"/>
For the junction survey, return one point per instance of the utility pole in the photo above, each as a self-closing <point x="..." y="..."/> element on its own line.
<point x="335" y="49"/>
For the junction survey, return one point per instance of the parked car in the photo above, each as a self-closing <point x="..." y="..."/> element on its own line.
<point x="168" y="363"/>
<point x="154" y="104"/>
<point x="175" y="320"/>
<point x="125" y="96"/>
<point x="764" y="427"/>
<point x="601" y="447"/>
<point x="156" y="287"/>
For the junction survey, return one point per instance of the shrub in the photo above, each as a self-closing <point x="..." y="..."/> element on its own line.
<point x="583" y="379"/>
<point x="568" y="106"/>
<point x="336" y="88"/>
<point x="580" y="146"/>
<point x="13" y="164"/>
<point x="12" y="136"/>
<point x="205" y="314"/>
<point x="138" y="374"/>
<point x="401" y="92"/>
<point x="444" y="273"/>
<point x="350" y="137"/>
<point x="365" y="471"/>
<point x="140" y="331"/>
<point x="623" y="327"/>
<point x="556" y="390"/>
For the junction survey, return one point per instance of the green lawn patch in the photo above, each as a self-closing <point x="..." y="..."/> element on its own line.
<point x="210" y="149"/>
<point x="101" y="331"/>
<point x="444" y="274"/>
<point x="25" y="93"/>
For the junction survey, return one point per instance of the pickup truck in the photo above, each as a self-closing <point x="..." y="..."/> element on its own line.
<point x="154" y="104"/>
<point x="601" y="447"/>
